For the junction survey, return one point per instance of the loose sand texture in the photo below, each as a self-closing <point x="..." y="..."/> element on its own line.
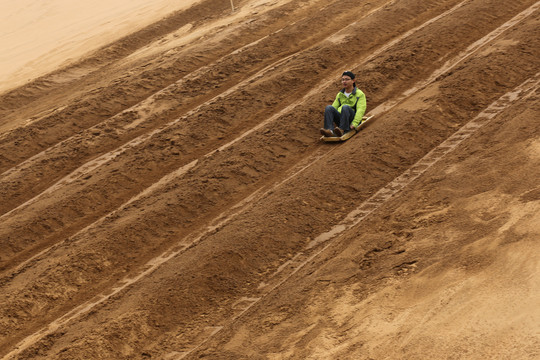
<point x="166" y="195"/>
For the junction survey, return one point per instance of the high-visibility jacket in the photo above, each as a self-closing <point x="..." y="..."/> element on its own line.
<point x="356" y="100"/>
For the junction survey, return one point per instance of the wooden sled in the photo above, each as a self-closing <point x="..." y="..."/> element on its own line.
<point x="348" y="134"/>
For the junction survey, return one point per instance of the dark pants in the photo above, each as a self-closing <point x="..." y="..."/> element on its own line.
<point x="343" y="120"/>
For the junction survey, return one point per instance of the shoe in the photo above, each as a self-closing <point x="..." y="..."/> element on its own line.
<point x="338" y="132"/>
<point x="327" y="133"/>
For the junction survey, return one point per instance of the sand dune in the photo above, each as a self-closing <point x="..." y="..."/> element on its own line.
<point x="36" y="37"/>
<point x="167" y="195"/>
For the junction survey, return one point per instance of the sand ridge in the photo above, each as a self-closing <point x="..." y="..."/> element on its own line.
<point x="167" y="196"/>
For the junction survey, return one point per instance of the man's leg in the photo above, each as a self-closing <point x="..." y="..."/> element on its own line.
<point x="347" y="116"/>
<point x="331" y="116"/>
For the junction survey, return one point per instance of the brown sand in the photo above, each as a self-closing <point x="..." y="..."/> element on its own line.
<point x="167" y="195"/>
<point x="39" y="36"/>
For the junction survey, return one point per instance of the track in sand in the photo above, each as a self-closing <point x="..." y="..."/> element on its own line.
<point x="168" y="197"/>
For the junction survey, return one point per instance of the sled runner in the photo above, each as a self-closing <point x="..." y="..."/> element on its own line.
<point x="348" y="134"/>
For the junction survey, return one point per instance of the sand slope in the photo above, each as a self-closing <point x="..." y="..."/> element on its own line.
<point x="167" y="195"/>
<point x="38" y="37"/>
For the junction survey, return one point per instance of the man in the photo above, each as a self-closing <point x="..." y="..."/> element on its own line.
<point x="347" y="110"/>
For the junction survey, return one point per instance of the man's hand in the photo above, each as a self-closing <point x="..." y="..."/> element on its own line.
<point x="352" y="127"/>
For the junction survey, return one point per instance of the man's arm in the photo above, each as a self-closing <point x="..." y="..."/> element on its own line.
<point x="360" y="110"/>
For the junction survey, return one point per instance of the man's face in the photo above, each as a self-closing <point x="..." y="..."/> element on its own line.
<point x="346" y="81"/>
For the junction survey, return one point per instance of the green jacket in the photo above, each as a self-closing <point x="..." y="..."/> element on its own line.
<point x="357" y="101"/>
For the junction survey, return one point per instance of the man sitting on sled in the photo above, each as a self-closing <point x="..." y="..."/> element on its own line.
<point x="347" y="110"/>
